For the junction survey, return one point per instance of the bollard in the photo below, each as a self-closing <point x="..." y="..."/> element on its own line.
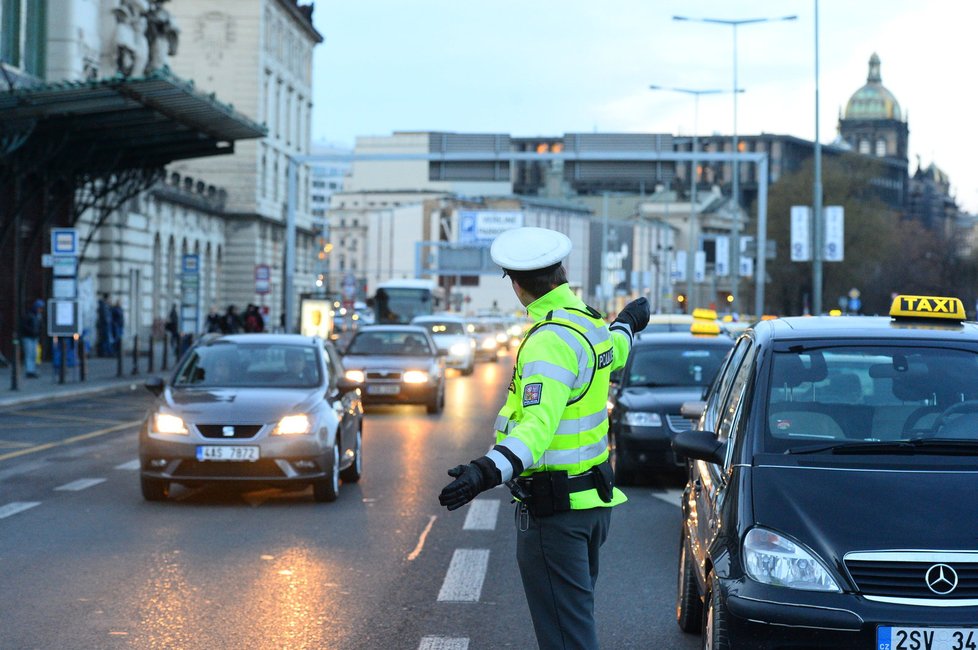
<point x="166" y="349"/>
<point x="82" y="361"/>
<point x="118" y="360"/>
<point x="63" y="349"/>
<point x="135" y="354"/>
<point x="15" y="365"/>
<point x="149" y="361"/>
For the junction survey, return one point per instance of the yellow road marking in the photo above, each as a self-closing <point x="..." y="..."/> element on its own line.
<point x="14" y="443"/>
<point x="68" y="441"/>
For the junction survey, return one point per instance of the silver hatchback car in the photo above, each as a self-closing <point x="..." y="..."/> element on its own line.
<point x="271" y="409"/>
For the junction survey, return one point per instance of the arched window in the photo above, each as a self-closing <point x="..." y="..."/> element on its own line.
<point x="881" y="147"/>
<point x="864" y="147"/>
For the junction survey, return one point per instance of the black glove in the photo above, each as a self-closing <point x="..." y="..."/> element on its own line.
<point x="636" y="315"/>
<point x="470" y="480"/>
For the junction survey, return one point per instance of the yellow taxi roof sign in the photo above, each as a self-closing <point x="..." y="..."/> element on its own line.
<point x="941" y="307"/>
<point x="835" y="312"/>
<point x="704" y="327"/>
<point x="702" y="312"/>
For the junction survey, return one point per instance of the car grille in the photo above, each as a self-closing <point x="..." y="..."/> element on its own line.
<point x="265" y="468"/>
<point x="678" y="423"/>
<point x="907" y="579"/>
<point x="240" y="430"/>
<point x="387" y="375"/>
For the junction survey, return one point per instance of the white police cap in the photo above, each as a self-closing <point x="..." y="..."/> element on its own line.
<point x="529" y="249"/>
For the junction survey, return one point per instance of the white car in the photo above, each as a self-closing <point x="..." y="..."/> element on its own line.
<point x="452" y="339"/>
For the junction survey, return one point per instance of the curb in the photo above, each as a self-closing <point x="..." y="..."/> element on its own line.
<point x="8" y="401"/>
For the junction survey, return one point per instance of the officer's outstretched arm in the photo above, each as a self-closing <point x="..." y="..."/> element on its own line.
<point x="548" y="370"/>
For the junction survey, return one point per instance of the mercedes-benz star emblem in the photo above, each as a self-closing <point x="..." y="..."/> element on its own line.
<point x="941" y="579"/>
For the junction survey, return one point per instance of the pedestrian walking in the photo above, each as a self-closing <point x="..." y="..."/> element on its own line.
<point x="31" y="329"/>
<point x="253" y="321"/>
<point x="103" y="326"/>
<point x="173" y="328"/>
<point x="118" y="321"/>
<point x="231" y="323"/>
<point x="213" y="321"/>
<point x="552" y="437"/>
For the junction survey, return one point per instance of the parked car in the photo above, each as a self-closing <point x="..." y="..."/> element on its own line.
<point x="270" y="409"/>
<point x="829" y="500"/>
<point x="663" y="371"/>
<point x="452" y="340"/>
<point x="397" y="364"/>
<point x="487" y="344"/>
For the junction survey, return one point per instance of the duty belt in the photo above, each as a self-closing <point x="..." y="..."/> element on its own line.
<point x="545" y="493"/>
<point x="576" y="483"/>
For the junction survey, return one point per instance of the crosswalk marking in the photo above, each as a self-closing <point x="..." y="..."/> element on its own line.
<point x="673" y="496"/>
<point x="80" y="484"/>
<point x="443" y="643"/>
<point x="467" y="571"/>
<point x="482" y="515"/>
<point x="17" y="506"/>
<point x="130" y="466"/>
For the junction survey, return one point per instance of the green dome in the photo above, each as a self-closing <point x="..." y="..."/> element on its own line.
<point x="873" y="101"/>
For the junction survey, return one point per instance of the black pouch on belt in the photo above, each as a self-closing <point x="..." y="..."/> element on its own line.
<point x="604" y="481"/>
<point x="549" y="493"/>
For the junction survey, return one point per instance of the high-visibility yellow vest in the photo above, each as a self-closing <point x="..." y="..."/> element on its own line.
<point x="555" y="416"/>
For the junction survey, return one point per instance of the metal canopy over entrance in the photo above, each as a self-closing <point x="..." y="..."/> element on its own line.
<point x="758" y="158"/>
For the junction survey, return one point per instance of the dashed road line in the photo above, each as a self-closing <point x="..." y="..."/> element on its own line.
<point x="443" y="643"/>
<point x="80" y="484"/>
<point x="130" y="466"/>
<point x="17" y="506"/>
<point x="482" y="515"/>
<point x="672" y="496"/>
<point x="466" y="573"/>
<point x="68" y="441"/>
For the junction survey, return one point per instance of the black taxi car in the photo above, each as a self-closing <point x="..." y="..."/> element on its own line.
<point x="832" y="496"/>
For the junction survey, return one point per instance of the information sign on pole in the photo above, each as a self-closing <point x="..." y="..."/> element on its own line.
<point x="834" y="219"/>
<point x="64" y="241"/>
<point x="699" y="266"/>
<point x="722" y="265"/>
<point x="679" y="267"/>
<point x="190" y="294"/>
<point x="63" y="318"/>
<point x="801" y="235"/>
<point x="263" y="278"/>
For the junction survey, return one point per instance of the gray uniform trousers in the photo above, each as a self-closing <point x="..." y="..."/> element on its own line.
<point x="558" y="560"/>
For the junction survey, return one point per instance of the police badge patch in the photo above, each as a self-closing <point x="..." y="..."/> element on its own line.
<point x="532" y="393"/>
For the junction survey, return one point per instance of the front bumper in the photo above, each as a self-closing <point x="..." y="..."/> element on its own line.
<point x="763" y="616"/>
<point x="406" y="394"/>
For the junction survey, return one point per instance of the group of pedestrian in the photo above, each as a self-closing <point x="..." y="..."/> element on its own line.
<point x="231" y="322"/>
<point x="109" y="326"/>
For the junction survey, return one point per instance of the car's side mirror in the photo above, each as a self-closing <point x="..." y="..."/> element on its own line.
<point x="346" y="385"/>
<point x="155" y="385"/>
<point x="700" y="445"/>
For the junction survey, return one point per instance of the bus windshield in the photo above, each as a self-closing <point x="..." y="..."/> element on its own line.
<point x="402" y="304"/>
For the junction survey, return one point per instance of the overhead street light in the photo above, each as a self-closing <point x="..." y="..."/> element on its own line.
<point x="691" y="249"/>
<point x="735" y="187"/>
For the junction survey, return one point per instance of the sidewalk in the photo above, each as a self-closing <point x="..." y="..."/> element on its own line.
<point x="102" y="374"/>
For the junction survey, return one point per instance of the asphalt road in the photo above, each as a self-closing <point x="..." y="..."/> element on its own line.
<point x="86" y="563"/>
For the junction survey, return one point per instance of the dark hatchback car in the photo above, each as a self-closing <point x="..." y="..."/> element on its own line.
<point x="397" y="364"/>
<point x="270" y="409"/>
<point x="663" y="371"/>
<point x="832" y="499"/>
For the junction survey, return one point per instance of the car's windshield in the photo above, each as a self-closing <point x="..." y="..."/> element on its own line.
<point x="674" y="366"/>
<point x="443" y="327"/>
<point x="831" y="397"/>
<point x="390" y="342"/>
<point x="226" y="364"/>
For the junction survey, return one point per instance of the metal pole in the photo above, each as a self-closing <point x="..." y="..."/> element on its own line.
<point x="135" y="353"/>
<point x="760" y="271"/>
<point x="690" y="266"/>
<point x="150" y="360"/>
<point x="604" y="251"/>
<point x="817" y="222"/>
<point x="82" y="361"/>
<point x="63" y="351"/>
<point x="18" y="310"/>
<point x="289" y="302"/>
<point x="735" y="192"/>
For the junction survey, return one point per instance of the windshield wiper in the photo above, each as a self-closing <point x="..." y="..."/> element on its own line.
<point x="912" y="446"/>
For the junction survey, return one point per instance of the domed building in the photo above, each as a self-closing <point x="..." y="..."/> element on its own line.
<point x="874" y="125"/>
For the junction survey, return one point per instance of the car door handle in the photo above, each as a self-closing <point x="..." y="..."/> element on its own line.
<point x="697" y="487"/>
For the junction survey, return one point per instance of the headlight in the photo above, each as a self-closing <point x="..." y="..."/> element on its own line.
<point x="642" y="419"/>
<point x="355" y="375"/>
<point x="168" y="423"/>
<point x="489" y="344"/>
<point x="459" y="349"/>
<point x="774" y="559"/>
<point x="292" y="425"/>
<point x="501" y="337"/>
<point x="415" y="377"/>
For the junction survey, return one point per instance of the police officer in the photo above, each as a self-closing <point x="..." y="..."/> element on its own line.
<point x="552" y="437"/>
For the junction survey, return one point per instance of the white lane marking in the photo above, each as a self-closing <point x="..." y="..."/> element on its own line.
<point x="672" y="496"/>
<point x="443" y="643"/>
<point x="482" y="515"/>
<point x="467" y="571"/>
<point x="80" y="484"/>
<point x="131" y="465"/>
<point x="413" y="555"/>
<point x="17" y="506"/>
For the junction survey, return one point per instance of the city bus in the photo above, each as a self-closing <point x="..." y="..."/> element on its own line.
<point x="398" y="301"/>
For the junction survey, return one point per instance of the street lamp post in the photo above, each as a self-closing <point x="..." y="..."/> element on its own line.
<point x="691" y="249"/>
<point x="735" y="185"/>
<point x="817" y="223"/>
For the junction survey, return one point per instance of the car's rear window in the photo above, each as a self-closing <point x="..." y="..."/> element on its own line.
<point x="871" y="393"/>
<point x="443" y="327"/>
<point x="656" y="366"/>
<point x="226" y="364"/>
<point x="390" y="342"/>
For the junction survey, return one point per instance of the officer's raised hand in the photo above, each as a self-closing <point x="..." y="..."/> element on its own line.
<point x="479" y="475"/>
<point x="635" y="314"/>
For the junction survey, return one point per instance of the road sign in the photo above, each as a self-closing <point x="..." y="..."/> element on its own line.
<point x="801" y="235"/>
<point x="263" y="278"/>
<point x="64" y="241"/>
<point x="834" y="219"/>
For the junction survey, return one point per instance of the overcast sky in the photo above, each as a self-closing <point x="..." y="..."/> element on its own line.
<point x="549" y="67"/>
